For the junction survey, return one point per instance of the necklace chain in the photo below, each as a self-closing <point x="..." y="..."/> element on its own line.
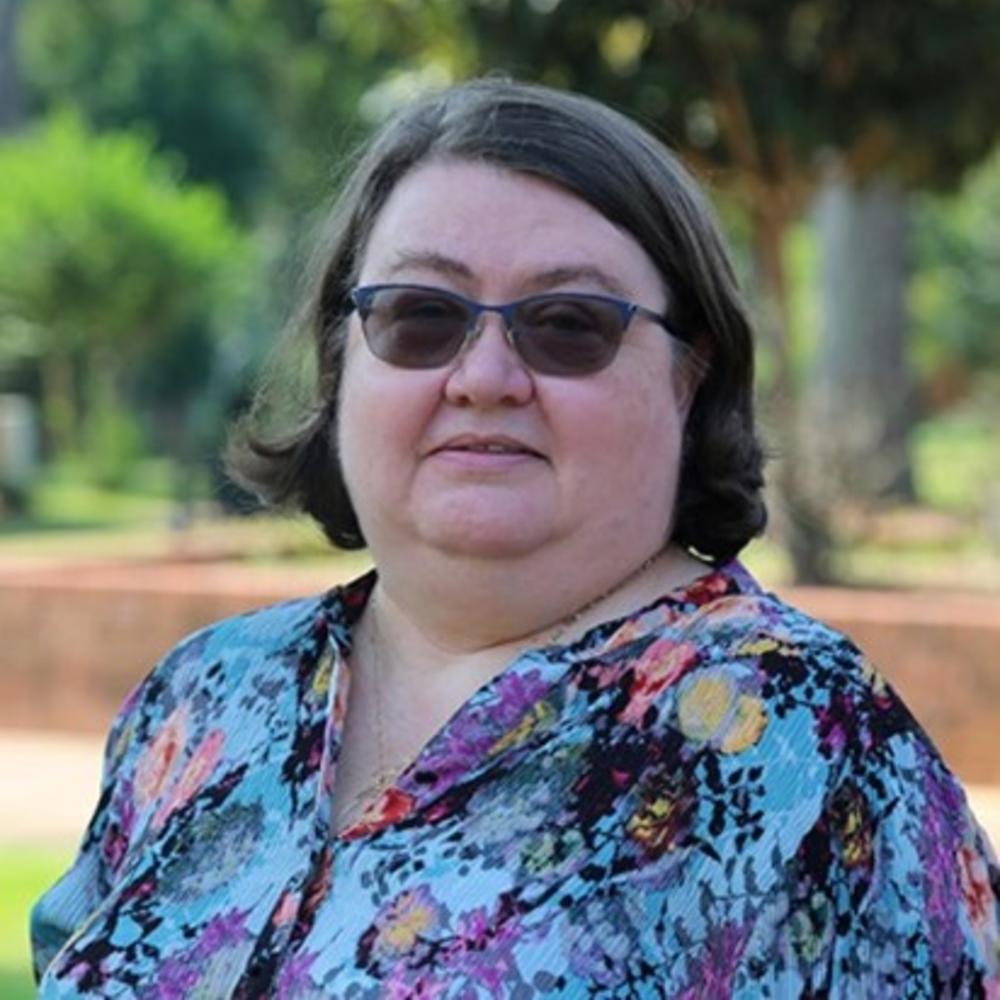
<point x="563" y="626"/>
<point x="388" y="772"/>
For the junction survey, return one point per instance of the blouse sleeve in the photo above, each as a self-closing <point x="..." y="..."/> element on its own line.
<point x="66" y="907"/>
<point x="894" y="892"/>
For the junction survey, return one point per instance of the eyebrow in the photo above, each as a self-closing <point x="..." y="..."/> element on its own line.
<point x="428" y="260"/>
<point x="540" y="281"/>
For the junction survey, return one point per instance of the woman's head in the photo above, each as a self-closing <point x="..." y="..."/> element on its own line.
<point x="601" y="158"/>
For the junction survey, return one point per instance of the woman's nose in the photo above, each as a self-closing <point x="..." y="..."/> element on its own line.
<point x="488" y="371"/>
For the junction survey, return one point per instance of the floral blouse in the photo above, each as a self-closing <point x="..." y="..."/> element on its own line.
<point x="715" y="797"/>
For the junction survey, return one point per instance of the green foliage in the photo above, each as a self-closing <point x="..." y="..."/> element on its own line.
<point x="956" y="297"/>
<point x="956" y="459"/>
<point x="114" y="444"/>
<point x="100" y="246"/>
<point x="176" y="67"/>
<point x="105" y="259"/>
<point x="251" y="96"/>
<point x="759" y="87"/>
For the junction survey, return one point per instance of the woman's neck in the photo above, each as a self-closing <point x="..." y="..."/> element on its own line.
<point x="489" y="616"/>
<point x="420" y="653"/>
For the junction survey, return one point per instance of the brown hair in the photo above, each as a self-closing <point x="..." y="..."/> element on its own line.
<point x="625" y="174"/>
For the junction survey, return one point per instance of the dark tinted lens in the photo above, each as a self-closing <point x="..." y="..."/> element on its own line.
<point x="415" y="328"/>
<point x="568" y="334"/>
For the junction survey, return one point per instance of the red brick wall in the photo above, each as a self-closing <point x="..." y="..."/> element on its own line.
<point x="73" y="643"/>
<point x="941" y="652"/>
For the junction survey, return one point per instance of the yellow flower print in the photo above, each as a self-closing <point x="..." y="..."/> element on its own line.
<point x="538" y="717"/>
<point x="856" y="839"/>
<point x="704" y="704"/>
<point x="766" y="644"/>
<point x="711" y="709"/>
<point x="123" y="741"/>
<point x="853" y="826"/>
<point x="408" y="917"/>
<point x="321" y="675"/>
<point x="758" y="647"/>
<point x="658" y="823"/>
<point x="746" y="726"/>
<point x="872" y="676"/>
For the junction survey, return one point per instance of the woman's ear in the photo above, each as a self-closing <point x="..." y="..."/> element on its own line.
<point x="690" y="367"/>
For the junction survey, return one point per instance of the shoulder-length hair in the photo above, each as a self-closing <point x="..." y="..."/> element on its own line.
<point x="619" y="169"/>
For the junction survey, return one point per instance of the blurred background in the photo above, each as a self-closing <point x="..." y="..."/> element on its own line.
<point x="162" y="167"/>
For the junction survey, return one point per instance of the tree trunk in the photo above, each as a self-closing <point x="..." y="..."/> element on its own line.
<point x="10" y="89"/>
<point x="60" y="413"/>
<point x="861" y="394"/>
<point x="799" y="512"/>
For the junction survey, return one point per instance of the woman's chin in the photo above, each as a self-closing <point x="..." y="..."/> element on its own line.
<point x="486" y="534"/>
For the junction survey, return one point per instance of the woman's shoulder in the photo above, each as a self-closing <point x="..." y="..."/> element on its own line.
<point x="728" y="617"/>
<point x="272" y="630"/>
<point x="239" y="657"/>
<point x="733" y="662"/>
<point x="730" y="602"/>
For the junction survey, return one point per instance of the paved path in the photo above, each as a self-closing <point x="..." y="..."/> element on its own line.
<point x="49" y="783"/>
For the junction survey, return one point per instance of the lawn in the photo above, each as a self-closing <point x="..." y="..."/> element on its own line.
<point x="24" y="874"/>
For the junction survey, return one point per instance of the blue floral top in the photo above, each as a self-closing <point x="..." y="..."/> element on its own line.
<point x="715" y="797"/>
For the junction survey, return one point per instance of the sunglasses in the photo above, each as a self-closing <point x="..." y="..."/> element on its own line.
<point x="558" y="333"/>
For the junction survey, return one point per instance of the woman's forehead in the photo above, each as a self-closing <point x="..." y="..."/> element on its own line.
<point x="463" y="220"/>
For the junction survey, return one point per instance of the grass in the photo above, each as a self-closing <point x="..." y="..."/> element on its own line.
<point x="25" y="872"/>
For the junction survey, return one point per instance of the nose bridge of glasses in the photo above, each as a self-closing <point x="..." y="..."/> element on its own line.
<point x="479" y="317"/>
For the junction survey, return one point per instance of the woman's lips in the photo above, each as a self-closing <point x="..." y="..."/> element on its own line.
<point x="485" y="453"/>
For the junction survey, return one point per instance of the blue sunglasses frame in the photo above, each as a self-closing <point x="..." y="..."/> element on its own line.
<point x="362" y="299"/>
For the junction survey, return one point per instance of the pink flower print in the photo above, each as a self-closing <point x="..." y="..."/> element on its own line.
<point x="974" y="877"/>
<point x="194" y="775"/>
<point x="975" y="885"/>
<point x="158" y="760"/>
<point x="286" y="909"/>
<point x="661" y="665"/>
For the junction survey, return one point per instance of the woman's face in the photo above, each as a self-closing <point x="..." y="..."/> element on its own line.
<point x="483" y="457"/>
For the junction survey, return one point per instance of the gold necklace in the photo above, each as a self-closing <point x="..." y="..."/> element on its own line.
<point x="564" y="625"/>
<point x="386" y="774"/>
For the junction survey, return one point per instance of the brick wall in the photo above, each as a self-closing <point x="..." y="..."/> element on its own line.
<point x="73" y="642"/>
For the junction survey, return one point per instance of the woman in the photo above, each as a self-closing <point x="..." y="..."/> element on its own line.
<point x="560" y="744"/>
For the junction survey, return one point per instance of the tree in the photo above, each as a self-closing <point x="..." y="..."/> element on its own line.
<point x="10" y="82"/>
<point x="957" y="296"/>
<point x="860" y="381"/>
<point x="758" y="96"/>
<point x="252" y="97"/>
<point x="104" y="259"/>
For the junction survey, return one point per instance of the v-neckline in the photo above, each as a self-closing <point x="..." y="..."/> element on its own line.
<point x="462" y="744"/>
